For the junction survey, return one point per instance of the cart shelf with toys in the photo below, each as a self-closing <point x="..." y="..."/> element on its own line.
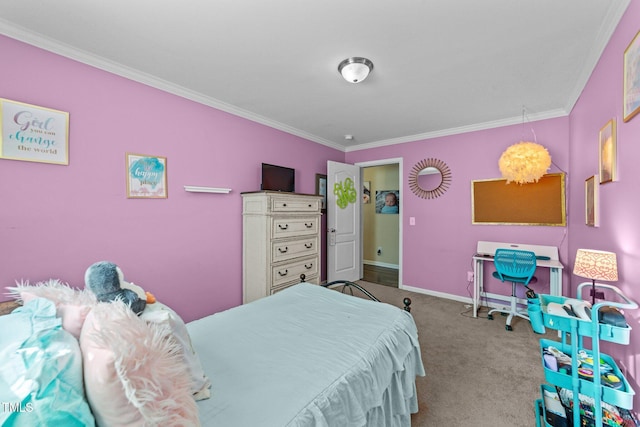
<point x="583" y="378"/>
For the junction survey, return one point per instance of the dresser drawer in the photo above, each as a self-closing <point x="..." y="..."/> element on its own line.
<point x="294" y="226"/>
<point x="298" y="204"/>
<point x="284" y="250"/>
<point x="290" y="272"/>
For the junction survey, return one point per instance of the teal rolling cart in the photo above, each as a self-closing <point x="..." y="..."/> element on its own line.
<point x="599" y="391"/>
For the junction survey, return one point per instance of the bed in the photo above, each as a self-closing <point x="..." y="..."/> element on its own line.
<point x="307" y="356"/>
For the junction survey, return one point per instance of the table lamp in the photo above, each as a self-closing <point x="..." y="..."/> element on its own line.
<point x="596" y="265"/>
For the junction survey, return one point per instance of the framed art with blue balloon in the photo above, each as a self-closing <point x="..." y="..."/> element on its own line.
<point x="146" y="176"/>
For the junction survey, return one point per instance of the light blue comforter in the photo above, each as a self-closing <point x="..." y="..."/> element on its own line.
<point x="309" y="356"/>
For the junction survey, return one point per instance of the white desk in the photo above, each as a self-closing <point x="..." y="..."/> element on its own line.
<point x="485" y="252"/>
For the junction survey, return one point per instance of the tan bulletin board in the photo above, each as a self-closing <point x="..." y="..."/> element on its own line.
<point x="493" y="201"/>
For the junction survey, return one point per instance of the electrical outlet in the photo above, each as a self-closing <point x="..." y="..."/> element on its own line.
<point x="379" y="250"/>
<point x="469" y="276"/>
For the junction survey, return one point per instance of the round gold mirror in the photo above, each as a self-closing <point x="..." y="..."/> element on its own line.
<point x="430" y="178"/>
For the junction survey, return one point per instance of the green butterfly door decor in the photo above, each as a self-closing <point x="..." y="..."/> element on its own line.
<point x="345" y="193"/>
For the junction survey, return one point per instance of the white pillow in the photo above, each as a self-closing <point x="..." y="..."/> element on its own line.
<point x="134" y="372"/>
<point x="161" y="314"/>
<point x="72" y="305"/>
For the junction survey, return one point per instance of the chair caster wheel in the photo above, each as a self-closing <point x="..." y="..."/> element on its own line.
<point x="490" y="316"/>
<point x="508" y="328"/>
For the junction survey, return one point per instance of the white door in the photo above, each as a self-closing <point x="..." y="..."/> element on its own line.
<point x="344" y="252"/>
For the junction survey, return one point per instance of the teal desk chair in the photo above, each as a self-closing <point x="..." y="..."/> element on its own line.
<point x="516" y="267"/>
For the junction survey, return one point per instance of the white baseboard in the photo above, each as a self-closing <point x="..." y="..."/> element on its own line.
<point x="445" y="295"/>
<point x="381" y="264"/>
<point x="500" y="301"/>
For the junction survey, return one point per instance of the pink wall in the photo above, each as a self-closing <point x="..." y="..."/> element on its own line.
<point x="57" y="220"/>
<point x="619" y="229"/>
<point x="437" y="251"/>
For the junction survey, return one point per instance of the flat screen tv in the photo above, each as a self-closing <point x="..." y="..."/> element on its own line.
<point x="278" y="178"/>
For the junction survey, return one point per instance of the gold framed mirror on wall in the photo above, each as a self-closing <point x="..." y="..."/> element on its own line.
<point x="430" y="178"/>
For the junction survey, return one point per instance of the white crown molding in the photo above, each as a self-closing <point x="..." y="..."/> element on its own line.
<point x="551" y="114"/>
<point x="613" y="16"/>
<point x="16" y="32"/>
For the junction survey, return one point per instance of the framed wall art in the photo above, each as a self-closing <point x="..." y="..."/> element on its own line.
<point x="146" y="176"/>
<point x="321" y="190"/>
<point x="388" y="202"/>
<point x="631" y="79"/>
<point x="591" y="212"/>
<point x="33" y="134"/>
<point x="366" y="192"/>
<point x="608" y="152"/>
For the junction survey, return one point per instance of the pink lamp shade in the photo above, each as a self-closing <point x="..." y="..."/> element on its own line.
<point x="596" y="265"/>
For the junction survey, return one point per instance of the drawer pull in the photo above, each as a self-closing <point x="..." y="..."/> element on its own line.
<point x="284" y="205"/>
<point x="283" y="227"/>
<point x="308" y="245"/>
<point x="308" y="224"/>
<point x="283" y="250"/>
<point x="283" y="274"/>
<point x="309" y="204"/>
<point x="308" y="266"/>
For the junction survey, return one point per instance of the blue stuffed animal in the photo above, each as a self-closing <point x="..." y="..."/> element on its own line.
<point x="103" y="280"/>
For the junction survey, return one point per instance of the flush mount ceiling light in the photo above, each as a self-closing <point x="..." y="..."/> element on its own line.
<point x="355" y="69"/>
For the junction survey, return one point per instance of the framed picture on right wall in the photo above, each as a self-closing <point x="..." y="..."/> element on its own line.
<point x="631" y="79"/>
<point x="608" y="152"/>
<point x="591" y="201"/>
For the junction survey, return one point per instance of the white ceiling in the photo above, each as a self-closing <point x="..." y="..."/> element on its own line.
<point x="440" y="66"/>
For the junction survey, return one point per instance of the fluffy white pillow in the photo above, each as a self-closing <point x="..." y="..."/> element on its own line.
<point x="134" y="372"/>
<point x="72" y="305"/>
<point x="161" y="314"/>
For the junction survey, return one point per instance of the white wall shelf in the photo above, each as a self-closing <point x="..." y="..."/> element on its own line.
<point x="195" y="189"/>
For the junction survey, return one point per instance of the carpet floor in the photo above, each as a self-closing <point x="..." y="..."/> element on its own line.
<point x="477" y="373"/>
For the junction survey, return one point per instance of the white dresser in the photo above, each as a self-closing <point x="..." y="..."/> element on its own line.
<point x="280" y="241"/>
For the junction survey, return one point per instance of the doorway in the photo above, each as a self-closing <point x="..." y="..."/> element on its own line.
<point x="382" y="221"/>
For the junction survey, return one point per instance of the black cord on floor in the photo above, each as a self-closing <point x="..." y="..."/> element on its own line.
<point x="469" y="312"/>
<point x="480" y="307"/>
